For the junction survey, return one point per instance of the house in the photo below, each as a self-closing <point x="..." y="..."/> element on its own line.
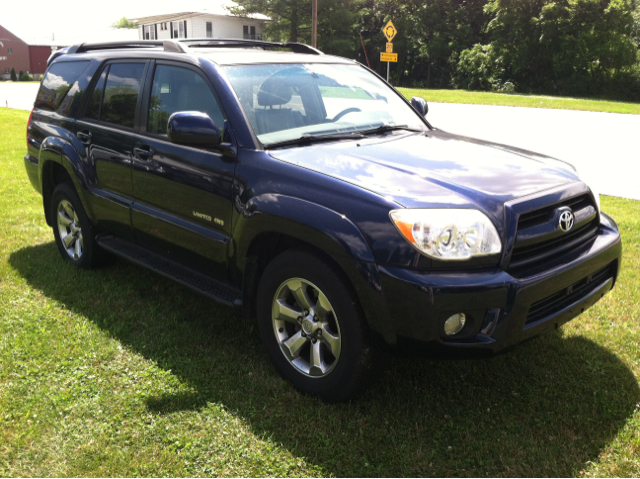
<point x="23" y="56"/>
<point x="215" y="21"/>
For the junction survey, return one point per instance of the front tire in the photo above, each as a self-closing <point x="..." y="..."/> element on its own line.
<point x="313" y="329"/>
<point x="72" y="229"/>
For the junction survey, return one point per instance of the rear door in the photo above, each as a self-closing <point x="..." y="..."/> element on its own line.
<point x="183" y="195"/>
<point x="106" y="129"/>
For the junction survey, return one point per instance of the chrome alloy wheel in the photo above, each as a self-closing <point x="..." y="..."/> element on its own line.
<point x="69" y="230"/>
<point x="306" y="327"/>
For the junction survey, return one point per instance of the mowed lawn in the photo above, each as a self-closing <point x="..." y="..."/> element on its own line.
<point x="120" y="372"/>
<point x="522" y="100"/>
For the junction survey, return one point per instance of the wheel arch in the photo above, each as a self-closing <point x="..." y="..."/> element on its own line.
<point x="58" y="163"/>
<point x="271" y="224"/>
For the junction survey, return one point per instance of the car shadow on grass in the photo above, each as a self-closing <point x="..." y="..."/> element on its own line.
<point x="544" y="409"/>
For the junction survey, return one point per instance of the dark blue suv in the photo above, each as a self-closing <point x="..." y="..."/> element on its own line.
<point x="307" y="193"/>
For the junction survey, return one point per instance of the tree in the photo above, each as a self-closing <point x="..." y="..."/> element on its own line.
<point x="13" y="75"/>
<point x="124" y="23"/>
<point x="337" y="19"/>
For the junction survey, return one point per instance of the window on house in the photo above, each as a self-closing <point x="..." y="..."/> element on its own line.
<point x="149" y="32"/>
<point x="6" y="70"/>
<point x="209" y="30"/>
<point x="10" y="50"/>
<point x="248" y="33"/>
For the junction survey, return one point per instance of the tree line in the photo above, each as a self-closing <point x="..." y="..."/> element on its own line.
<point x="566" y="47"/>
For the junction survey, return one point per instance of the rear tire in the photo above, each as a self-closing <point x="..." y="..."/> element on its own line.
<point x="72" y="229"/>
<point x="313" y="329"/>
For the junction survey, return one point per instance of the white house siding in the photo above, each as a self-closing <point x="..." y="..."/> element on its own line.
<point x="222" y="27"/>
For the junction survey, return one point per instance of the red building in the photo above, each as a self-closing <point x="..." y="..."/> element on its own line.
<point x="17" y="54"/>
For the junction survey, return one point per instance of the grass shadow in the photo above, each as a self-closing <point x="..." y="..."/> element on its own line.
<point x="544" y="409"/>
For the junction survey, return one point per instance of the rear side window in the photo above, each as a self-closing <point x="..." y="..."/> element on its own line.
<point x="115" y="95"/>
<point x="121" y="94"/>
<point x="57" y="82"/>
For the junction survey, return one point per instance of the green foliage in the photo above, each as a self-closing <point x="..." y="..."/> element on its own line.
<point x="337" y="22"/>
<point x="13" y="75"/>
<point x="479" y="68"/>
<point x="579" y="47"/>
<point x="24" y="77"/>
<point x="124" y="23"/>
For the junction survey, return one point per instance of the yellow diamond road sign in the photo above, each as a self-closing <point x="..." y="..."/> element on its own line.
<point x="389" y="31"/>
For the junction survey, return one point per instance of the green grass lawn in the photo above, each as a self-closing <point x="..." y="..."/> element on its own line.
<point x="529" y="101"/>
<point x="120" y="372"/>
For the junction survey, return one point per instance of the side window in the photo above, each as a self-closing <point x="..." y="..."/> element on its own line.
<point x="121" y="94"/>
<point x="179" y="89"/>
<point x="93" y="107"/>
<point x="57" y="82"/>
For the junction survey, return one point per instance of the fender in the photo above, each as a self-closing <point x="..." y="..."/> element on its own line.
<point x="61" y="151"/>
<point x="324" y="229"/>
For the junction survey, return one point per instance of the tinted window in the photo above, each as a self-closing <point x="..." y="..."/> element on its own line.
<point x="57" y="82"/>
<point x="178" y="89"/>
<point x="93" y="107"/>
<point x="121" y="94"/>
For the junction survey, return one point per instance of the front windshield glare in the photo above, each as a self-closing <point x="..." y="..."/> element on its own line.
<point x="287" y="102"/>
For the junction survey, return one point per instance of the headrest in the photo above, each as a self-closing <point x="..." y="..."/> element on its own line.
<point x="274" y="91"/>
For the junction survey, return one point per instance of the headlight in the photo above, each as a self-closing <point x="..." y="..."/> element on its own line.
<point x="450" y="234"/>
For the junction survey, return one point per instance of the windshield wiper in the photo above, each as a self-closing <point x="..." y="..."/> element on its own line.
<point x="306" y="139"/>
<point x="385" y="128"/>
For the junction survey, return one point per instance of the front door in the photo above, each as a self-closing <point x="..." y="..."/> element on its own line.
<point x="183" y="195"/>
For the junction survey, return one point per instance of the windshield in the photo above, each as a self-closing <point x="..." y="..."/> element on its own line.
<point x="288" y="102"/>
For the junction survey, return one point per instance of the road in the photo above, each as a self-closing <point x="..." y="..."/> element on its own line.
<point x="605" y="147"/>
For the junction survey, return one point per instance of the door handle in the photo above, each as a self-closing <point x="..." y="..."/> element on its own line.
<point x="144" y="153"/>
<point x="84" y="137"/>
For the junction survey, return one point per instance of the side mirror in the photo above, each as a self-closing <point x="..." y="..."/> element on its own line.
<point x="193" y="128"/>
<point x="420" y="105"/>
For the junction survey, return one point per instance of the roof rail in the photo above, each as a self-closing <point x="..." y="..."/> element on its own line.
<point x="182" y="45"/>
<point x="167" y="46"/>
<point x="240" y="43"/>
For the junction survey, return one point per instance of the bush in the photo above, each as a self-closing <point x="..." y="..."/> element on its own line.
<point x="478" y="68"/>
<point x="13" y="75"/>
<point x="24" y="77"/>
<point x="506" y="87"/>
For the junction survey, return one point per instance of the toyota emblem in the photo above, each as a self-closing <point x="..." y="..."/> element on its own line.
<point x="566" y="221"/>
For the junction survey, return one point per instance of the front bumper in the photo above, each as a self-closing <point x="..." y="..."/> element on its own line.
<point x="501" y="310"/>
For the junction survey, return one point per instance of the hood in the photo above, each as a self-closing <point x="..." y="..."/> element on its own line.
<point x="418" y="170"/>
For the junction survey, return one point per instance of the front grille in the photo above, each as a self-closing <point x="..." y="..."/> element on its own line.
<point x="568" y="296"/>
<point x="549" y="247"/>
<point x="544" y="214"/>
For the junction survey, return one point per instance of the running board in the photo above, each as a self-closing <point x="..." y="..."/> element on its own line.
<point x="198" y="282"/>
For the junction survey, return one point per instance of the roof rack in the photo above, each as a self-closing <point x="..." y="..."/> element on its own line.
<point x="239" y="43"/>
<point x="167" y="46"/>
<point x="182" y="45"/>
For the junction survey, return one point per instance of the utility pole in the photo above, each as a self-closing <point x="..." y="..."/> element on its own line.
<point x="314" y="23"/>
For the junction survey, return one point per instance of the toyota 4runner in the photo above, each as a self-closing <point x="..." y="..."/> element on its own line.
<point x="306" y="192"/>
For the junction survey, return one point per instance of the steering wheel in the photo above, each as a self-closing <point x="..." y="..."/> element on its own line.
<point x="344" y="112"/>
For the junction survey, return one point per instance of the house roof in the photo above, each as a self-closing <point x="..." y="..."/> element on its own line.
<point x="219" y="8"/>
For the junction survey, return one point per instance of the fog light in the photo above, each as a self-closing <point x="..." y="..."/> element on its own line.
<point x="454" y="324"/>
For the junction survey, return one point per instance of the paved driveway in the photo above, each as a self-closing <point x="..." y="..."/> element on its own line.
<point x="605" y="147"/>
<point x="18" y="95"/>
